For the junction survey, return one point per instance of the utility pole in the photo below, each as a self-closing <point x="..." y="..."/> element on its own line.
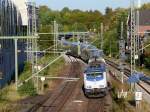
<point x="122" y="54"/>
<point x="16" y="63"/>
<point x="55" y="30"/>
<point x="102" y="36"/>
<point x="110" y="47"/>
<point x="79" y="47"/>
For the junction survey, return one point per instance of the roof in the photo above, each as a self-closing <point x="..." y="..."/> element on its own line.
<point x="144" y="17"/>
<point x="93" y="51"/>
<point x="22" y="8"/>
<point x="135" y="77"/>
<point x="91" y="69"/>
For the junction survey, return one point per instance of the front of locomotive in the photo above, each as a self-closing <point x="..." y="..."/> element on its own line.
<point x="95" y="81"/>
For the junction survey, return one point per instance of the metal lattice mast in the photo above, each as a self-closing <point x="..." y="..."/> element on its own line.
<point x="29" y="33"/>
<point x="34" y="33"/>
<point x="122" y="46"/>
<point x="133" y="36"/>
<point x="54" y="36"/>
<point x="122" y="53"/>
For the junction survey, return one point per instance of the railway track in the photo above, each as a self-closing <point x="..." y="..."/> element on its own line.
<point x="103" y="104"/>
<point x="54" y="102"/>
<point x="127" y="72"/>
<point x="95" y="105"/>
<point x="57" y="101"/>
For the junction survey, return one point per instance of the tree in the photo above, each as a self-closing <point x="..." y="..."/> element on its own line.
<point x="65" y="10"/>
<point x="108" y="10"/>
<point x="145" y="6"/>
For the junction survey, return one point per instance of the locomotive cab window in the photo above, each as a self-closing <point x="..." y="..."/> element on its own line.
<point x="95" y="74"/>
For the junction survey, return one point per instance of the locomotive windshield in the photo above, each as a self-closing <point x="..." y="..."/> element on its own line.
<point x="95" y="74"/>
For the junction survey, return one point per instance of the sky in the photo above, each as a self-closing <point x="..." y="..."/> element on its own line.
<point x="87" y="4"/>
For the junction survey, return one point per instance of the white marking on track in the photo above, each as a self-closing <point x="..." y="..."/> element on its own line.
<point x="78" y="101"/>
<point x="71" y="80"/>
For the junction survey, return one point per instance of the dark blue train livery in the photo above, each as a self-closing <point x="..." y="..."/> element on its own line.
<point x="10" y="25"/>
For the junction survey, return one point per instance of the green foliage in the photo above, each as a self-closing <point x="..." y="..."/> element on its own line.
<point x="147" y="62"/>
<point x="145" y="6"/>
<point x="3" y="94"/>
<point x="55" y="68"/>
<point x="111" y="42"/>
<point x="27" y="89"/>
<point x="118" y="104"/>
<point x="113" y="30"/>
<point x="26" y="72"/>
<point x="108" y="10"/>
<point x="71" y="20"/>
<point x="78" y="20"/>
<point x="27" y="66"/>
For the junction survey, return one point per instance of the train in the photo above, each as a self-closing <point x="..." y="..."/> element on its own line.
<point x="95" y="82"/>
<point x="95" y="78"/>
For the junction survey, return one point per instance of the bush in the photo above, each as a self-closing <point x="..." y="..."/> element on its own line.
<point x="147" y="62"/>
<point x="26" y="72"/>
<point x="3" y="94"/>
<point x="27" y="89"/>
<point x="27" y="66"/>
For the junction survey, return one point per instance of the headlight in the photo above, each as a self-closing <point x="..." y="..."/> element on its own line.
<point x="101" y="86"/>
<point x="88" y="87"/>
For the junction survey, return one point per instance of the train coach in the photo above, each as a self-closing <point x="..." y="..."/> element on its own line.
<point x="82" y="50"/>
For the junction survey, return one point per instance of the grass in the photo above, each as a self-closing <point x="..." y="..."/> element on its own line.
<point x="8" y="96"/>
<point x="121" y="104"/>
<point x="42" y="62"/>
<point x="9" y="93"/>
<point x="56" y="67"/>
<point x="26" y="72"/>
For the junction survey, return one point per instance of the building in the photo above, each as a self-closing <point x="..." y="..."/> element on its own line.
<point x="22" y="9"/>
<point x="14" y="21"/>
<point x="144" y="23"/>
